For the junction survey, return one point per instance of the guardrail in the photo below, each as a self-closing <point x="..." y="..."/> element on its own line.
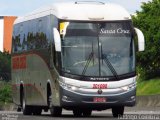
<point x="148" y="101"/>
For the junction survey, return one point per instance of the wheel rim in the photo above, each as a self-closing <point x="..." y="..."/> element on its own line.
<point x="23" y="104"/>
<point x="50" y="100"/>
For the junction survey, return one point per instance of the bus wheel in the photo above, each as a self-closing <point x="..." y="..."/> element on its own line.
<point x="87" y="113"/>
<point x="19" y="109"/>
<point x="26" y="109"/>
<point x="37" y="111"/>
<point x="77" y="112"/>
<point x="118" y="111"/>
<point x="56" y="111"/>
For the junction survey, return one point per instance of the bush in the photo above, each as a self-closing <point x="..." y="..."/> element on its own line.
<point x="147" y="74"/>
<point x="5" y="92"/>
<point x="5" y="66"/>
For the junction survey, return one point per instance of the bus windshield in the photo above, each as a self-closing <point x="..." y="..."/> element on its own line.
<point x="97" y="48"/>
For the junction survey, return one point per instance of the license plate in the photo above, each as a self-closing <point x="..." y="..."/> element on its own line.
<point x="99" y="99"/>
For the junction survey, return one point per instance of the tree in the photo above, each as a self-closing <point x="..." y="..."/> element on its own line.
<point x="5" y="66"/>
<point x="148" y="20"/>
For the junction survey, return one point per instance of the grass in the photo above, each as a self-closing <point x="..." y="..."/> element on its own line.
<point x="149" y="87"/>
<point x="5" y="92"/>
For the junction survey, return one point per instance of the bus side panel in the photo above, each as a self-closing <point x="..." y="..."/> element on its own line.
<point x="37" y="72"/>
<point x="33" y="77"/>
<point x="15" y="88"/>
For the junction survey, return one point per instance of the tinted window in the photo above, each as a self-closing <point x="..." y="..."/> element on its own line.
<point x="32" y="34"/>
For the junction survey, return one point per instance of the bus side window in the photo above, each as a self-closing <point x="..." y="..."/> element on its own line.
<point x="39" y="26"/>
<point x="13" y="40"/>
<point x="17" y="39"/>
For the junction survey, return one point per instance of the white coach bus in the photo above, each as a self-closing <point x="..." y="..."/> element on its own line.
<point x="77" y="56"/>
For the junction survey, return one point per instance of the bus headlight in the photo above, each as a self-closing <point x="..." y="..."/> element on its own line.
<point x="125" y="88"/>
<point x="74" y="88"/>
<point x="67" y="86"/>
<point x="128" y="87"/>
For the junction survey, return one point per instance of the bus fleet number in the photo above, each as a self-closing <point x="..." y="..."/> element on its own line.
<point x="99" y="86"/>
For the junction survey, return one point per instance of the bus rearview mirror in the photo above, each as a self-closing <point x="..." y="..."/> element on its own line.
<point x="141" y="41"/>
<point x="57" y="40"/>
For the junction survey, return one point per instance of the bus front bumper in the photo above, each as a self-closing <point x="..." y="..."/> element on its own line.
<point x="70" y="99"/>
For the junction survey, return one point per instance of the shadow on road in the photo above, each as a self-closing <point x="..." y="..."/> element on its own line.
<point x="82" y="117"/>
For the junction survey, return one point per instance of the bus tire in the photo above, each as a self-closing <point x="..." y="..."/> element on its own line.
<point x="118" y="111"/>
<point x="25" y="109"/>
<point x="19" y="109"/>
<point x="77" y="112"/>
<point x="56" y="111"/>
<point x="49" y="98"/>
<point x="87" y="113"/>
<point x="37" y="111"/>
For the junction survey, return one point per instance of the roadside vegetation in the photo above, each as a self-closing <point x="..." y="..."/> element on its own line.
<point x="148" y="62"/>
<point x="5" y="77"/>
<point x="149" y="87"/>
<point x="5" y="93"/>
<point x="5" y="66"/>
<point x="148" y="20"/>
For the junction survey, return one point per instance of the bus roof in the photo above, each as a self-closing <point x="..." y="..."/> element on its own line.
<point x="90" y="11"/>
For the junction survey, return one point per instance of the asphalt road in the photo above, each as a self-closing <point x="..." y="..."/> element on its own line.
<point x="130" y="114"/>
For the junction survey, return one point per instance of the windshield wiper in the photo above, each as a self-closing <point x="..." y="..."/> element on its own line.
<point x="87" y="64"/>
<point x="88" y="61"/>
<point x="110" y="66"/>
<point x="106" y="60"/>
